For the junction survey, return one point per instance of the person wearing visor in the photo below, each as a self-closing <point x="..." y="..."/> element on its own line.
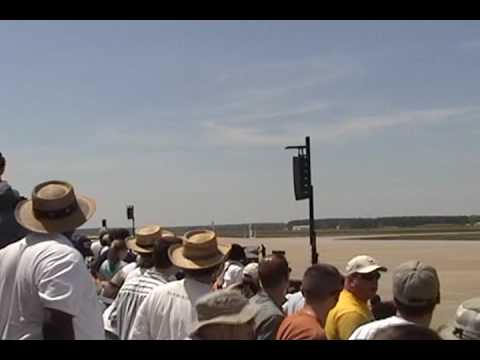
<point x="361" y="284"/>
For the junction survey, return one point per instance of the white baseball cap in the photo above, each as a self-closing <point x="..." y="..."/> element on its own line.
<point x="363" y="264"/>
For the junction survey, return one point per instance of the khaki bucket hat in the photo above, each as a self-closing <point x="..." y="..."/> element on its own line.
<point x="467" y="322"/>
<point x="199" y="250"/>
<point x="145" y="237"/>
<point x="54" y="208"/>
<point x="228" y="307"/>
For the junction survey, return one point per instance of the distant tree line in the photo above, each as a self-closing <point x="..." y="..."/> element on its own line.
<point x="280" y="228"/>
<point x="394" y="221"/>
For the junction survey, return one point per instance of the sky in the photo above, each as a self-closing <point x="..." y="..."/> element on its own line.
<point x="188" y="120"/>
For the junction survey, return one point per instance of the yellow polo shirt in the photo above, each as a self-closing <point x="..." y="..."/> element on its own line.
<point x="348" y="314"/>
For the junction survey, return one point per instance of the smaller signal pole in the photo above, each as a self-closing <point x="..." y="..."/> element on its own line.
<point x="131" y="216"/>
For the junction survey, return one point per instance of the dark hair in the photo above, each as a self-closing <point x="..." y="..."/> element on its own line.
<point x="273" y="270"/>
<point x="406" y="332"/>
<point x="160" y="251"/>
<point x="320" y="281"/>
<point x="118" y="245"/>
<point x="414" y="311"/>
<point x="237" y="253"/>
<point x="119" y="233"/>
<point x="382" y="309"/>
<point x="202" y="273"/>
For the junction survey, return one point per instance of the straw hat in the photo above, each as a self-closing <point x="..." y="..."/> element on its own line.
<point x="199" y="250"/>
<point x="54" y="208"/>
<point x="145" y="237"/>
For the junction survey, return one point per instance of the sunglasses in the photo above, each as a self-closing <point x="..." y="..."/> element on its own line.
<point x="370" y="276"/>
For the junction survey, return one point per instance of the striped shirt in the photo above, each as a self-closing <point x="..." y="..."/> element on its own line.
<point x="132" y="294"/>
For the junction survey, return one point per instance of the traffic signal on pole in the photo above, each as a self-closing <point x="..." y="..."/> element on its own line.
<point x="130" y="215"/>
<point x="301" y="177"/>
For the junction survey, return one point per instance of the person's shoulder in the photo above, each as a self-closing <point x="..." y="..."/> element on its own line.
<point x="51" y="244"/>
<point x="367" y="330"/>
<point x="169" y="287"/>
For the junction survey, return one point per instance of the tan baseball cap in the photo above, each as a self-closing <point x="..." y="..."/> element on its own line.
<point x="363" y="264"/>
<point x="416" y="284"/>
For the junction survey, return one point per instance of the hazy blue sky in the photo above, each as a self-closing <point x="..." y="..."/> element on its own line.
<point x="188" y="119"/>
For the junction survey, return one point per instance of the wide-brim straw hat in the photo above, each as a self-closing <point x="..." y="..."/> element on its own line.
<point x="199" y="250"/>
<point x="145" y="237"/>
<point x="54" y="208"/>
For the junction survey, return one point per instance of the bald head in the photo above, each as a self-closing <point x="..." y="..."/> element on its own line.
<point x="273" y="271"/>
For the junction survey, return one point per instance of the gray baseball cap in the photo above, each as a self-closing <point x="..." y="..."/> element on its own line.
<point x="223" y="307"/>
<point x="416" y="284"/>
<point x="467" y="322"/>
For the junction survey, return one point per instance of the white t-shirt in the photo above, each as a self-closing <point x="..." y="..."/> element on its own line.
<point x="233" y="274"/>
<point x="367" y="331"/>
<point x="128" y="271"/>
<point x="131" y="296"/>
<point x="168" y="312"/>
<point x="294" y="302"/>
<point x="50" y="273"/>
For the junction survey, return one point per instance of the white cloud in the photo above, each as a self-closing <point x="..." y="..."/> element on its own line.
<point x="249" y="135"/>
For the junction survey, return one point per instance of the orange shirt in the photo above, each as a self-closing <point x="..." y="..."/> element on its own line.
<point x="301" y="326"/>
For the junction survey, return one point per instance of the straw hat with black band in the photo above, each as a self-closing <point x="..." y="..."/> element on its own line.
<point x="145" y="237"/>
<point x="199" y="250"/>
<point x="54" y="208"/>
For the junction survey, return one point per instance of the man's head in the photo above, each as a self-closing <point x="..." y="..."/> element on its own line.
<point x="321" y="286"/>
<point x="118" y="234"/>
<point x="237" y="253"/>
<point x="416" y="290"/>
<point x="274" y="274"/>
<point x="118" y="250"/>
<point x="3" y="163"/>
<point x="224" y="315"/>
<point x="362" y="275"/>
<point x="83" y="245"/>
<point x="160" y="251"/>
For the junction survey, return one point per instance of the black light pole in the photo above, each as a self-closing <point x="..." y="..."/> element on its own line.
<point x="302" y="180"/>
<point x="131" y="216"/>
